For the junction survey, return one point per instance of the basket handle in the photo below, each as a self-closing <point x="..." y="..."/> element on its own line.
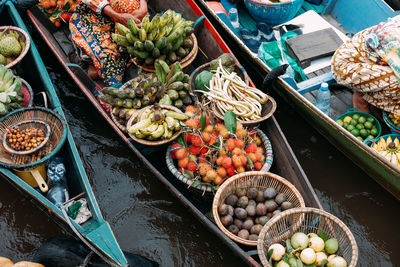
<point x="352" y="109"/>
<point x="39" y="180"/>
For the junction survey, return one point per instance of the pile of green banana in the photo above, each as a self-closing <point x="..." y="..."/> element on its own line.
<point x="123" y="114"/>
<point x="175" y="83"/>
<point x="137" y="95"/>
<point x="165" y="37"/>
<point x="156" y="123"/>
<point x="10" y="96"/>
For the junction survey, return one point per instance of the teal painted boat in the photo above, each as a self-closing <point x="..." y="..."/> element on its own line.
<point x="347" y="17"/>
<point x="96" y="232"/>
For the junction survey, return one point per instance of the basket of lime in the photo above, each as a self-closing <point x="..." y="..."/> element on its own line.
<point x="360" y="124"/>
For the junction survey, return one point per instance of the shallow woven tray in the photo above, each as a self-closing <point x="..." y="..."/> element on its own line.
<point x="115" y="120"/>
<point x="308" y="220"/>
<point x="207" y="190"/>
<point x="185" y="62"/>
<point x="26" y="125"/>
<point x="261" y="180"/>
<point x="57" y="137"/>
<point x="148" y="142"/>
<point x="24" y="36"/>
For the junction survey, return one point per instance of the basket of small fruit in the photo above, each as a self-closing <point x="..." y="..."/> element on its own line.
<point x="167" y="37"/>
<point x="208" y="154"/>
<point x="387" y="146"/>
<point x="14" y="44"/>
<point x="307" y="237"/>
<point x="155" y="125"/>
<point x="247" y="201"/>
<point x="360" y="124"/>
<point x="223" y="89"/>
<point x="392" y="121"/>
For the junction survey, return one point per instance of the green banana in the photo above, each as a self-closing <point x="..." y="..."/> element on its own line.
<point x="131" y="39"/>
<point x="177" y="18"/>
<point x="152" y="34"/>
<point x="164" y="65"/>
<point x="119" y="39"/>
<point x="159" y="71"/>
<point x="176" y="115"/>
<point x="3" y="70"/>
<point x="149" y="129"/>
<point x="122" y="29"/>
<point x="133" y="27"/>
<point x="170" y="123"/>
<point x="142" y="34"/>
<point x="158" y="133"/>
<point x="146" y="23"/>
<point x="140" y="125"/>
<point x="154" y="22"/>
<point x="166" y="131"/>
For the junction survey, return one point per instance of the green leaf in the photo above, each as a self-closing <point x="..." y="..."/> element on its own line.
<point x="180" y="140"/>
<point x="299" y="263"/>
<point x="188" y="174"/>
<point x="323" y="235"/>
<point x="67" y="6"/>
<point x="324" y="262"/>
<point x="289" y="247"/>
<point x="286" y="258"/>
<point x="230" y="121"/>
<point x="270" y="255"/>
<point x="203" y="121"/>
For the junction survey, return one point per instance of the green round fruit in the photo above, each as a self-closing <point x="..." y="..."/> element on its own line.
<point x="363" y="133"/>
<point x="360" y="126"/>
<point x="370" y="119"/>
<point x="374" y="131"/>
<point x="355" y="132"/>
<point x="340" y="122"/>
<point x="360" y="138"/>
<point x="355" y="117"/>
<point x="368" y="124"/>
<point x="345" y="124"/>
<point x="331" y="245"/>
<point x="354" y="122"/>
<point x="362" y="119"/>
<point x="350" y="128"/>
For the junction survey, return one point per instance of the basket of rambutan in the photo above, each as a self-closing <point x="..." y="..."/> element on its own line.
<point x="208" y="153"/>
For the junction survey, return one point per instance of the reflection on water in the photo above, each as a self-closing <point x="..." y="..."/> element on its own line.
<point x="149" y="221"/>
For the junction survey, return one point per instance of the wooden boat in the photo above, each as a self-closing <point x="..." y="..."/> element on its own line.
<point x="96" y="231"/>
<point x="211" y="45"/>
<point x="349" y="17"/>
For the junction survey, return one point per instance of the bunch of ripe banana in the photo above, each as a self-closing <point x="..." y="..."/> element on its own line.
<point x="390" y="149"/>
<point x="165" y="37"/>
<point x="137" y="95"/>
<point x="122" y="115"/>
<point x="156" y="123"/>
<point x="10" y="86"/>
<point x="176" y="86"/>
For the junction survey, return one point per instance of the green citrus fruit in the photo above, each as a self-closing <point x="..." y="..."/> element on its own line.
<point x="345" y="124"/>
<point x="354" y="122"/>
<point x="371" y="136"/>
<point x="363" y="133"/>
<point x="360" y="126"/>
<point x="374" y="131"/>
<point x="362" y="119"/>
<point x="368" y="124"/>
<point x="355" y="132"/>
<point x="331" y="245"/>
<point x="355" y="117"/>
<point x="340" y="122"/>
<point x="360" y="138"/>
<point x="350" y="128"/>
<point x="370" y="119"/>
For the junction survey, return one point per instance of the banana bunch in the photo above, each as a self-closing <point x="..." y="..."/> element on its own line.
<point x="164" y="37"/>
<point x="156" y="123"/>
<point x="138" y="95"/>
<point x="389" y="149"/>
<point x="395" y="119"/>
<point x="175" y="83"/>
<point x="10" y="86"/>
<point x="123" y="114"/>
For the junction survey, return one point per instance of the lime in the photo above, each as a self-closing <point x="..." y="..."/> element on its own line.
<point x="360" y="138"/>
<point x="354" y="122"/>
<point x="350" y="128"/>
<point x="371" y="137"/>
<point x="360" y="126"/>
<point x="355" y="132"/>
<point x="362" y="119"/>
<point x="370" y="119"/>
<point x="340" y="122"/>
<point x="347" y="119"/>
<point x="374" y="132"/>
<point x="363" y="133"/>
<point x="356" y="117"/>
<point x="369" y="132"/>
<point x="368" y="124"/>
<point x="331" y="245"/>
<point x="345" y="124"/>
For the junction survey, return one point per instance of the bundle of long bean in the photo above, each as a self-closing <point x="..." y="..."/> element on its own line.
<point x="230" y="92"/>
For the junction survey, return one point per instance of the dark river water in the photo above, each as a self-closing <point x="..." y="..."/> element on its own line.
<point x="149" y="221"/>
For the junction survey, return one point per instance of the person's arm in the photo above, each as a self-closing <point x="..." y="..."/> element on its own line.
<point x="119" y="17"/>
<point x="141" y="11"/>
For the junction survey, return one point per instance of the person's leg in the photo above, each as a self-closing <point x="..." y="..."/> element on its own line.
<point x="359" y="102"/>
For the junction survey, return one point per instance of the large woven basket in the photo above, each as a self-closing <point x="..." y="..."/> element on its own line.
<point x="25" y="38"/>
<point x="148" y="142"/>
<point x="260" y="180"/>
<point x="307" y="220"/>
<point x="56" y="139"/>
<point x="185" y="62"/>
<point x="208" y="191"/>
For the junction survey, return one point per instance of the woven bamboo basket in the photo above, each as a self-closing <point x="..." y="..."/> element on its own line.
<point x="208" y="191"/>
<point x="56" y="139"/>
<point x="307" y="220"/>
<point x="25" y="38"/>
<point x="260" y="180"/>
<point x="115" y="120"/>
<point x="185" y="62"/>
<point x="132" y="121"/>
